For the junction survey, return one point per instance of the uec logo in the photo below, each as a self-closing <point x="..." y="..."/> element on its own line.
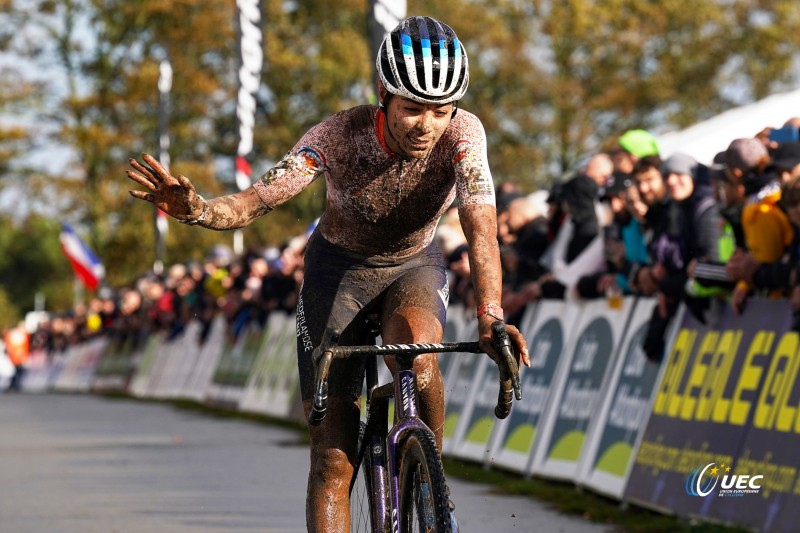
<point x="703" y="480"/>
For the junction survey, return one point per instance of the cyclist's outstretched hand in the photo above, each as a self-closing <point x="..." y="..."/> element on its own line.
<point x="517" y="340"/>
<point x="176" y="196"/>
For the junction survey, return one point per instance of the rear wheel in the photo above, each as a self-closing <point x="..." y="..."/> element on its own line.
<point x="424" y="504"/>
<point x="361" y="490"/>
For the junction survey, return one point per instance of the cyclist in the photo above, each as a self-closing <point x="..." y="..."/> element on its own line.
<point x="391" y="171"/>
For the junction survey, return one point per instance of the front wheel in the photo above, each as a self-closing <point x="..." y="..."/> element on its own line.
<point x="424" y="504"/>
<point x="361" y="492"/>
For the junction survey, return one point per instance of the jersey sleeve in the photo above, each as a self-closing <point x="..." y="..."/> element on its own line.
<point x="295" y="171"/>
<point x="471" y="164"/>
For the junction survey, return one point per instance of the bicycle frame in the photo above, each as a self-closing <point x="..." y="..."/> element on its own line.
<point x="382" y="442"/>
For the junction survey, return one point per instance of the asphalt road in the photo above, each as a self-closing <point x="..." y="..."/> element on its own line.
<point x="86" y="464"/>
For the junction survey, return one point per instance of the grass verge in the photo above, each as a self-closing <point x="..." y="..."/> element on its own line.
<point x="568" y="499"/>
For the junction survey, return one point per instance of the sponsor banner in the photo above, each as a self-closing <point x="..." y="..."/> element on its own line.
<point x="36" y="377"/>
<point x="568" y="422"/>
<point x="463" y="376"/>
<point x="210" y="350"/>
<point x="608" y="458"/>
<point x="722" y="437"/>
<point x="235" y="365"/>
<point x="146" y="366"/>
<point x="79" y="366"/>
<point x="272" y="387"/>
<point x="546" y="327"/>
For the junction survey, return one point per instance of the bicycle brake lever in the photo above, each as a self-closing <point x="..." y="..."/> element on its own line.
<point x="322" y="358"/>
<point x="503" y="345"/>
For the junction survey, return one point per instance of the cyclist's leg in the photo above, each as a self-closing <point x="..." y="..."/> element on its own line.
<point x="414" y="311"/>
<point x="333" y="453"/>
<point x="330" y="298"/>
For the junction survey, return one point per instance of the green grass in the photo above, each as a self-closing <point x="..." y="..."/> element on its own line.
<point x="568" y="499"/>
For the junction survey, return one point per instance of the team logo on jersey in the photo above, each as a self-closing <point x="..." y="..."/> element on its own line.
<point x="462" y="153"/>
<point x="310" y="160"/>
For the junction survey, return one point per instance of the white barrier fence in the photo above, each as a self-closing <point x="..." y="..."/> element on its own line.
<point x="586" y="397"/>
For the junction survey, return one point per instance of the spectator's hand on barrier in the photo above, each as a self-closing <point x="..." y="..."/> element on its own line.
<point x="690" y="268"/>
<point x="646" y="282"/>
<point x="742" y="266"/>
<point x="738" y="299"/>
<point x="605" y="282"/>
<point x="176" y="196"/>
<point x="794" y="298"/>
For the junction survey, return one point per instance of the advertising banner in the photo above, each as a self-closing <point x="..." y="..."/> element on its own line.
<point x="723" y="433"/>
<point x="272" y="388"/>
<point x="608" y="458"/>
<point x="547" y="335"/>
<point x="466" y="373"/>
<point x="566" y="427"/>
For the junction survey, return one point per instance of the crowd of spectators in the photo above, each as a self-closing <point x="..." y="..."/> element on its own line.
<point x="630" y="221"/>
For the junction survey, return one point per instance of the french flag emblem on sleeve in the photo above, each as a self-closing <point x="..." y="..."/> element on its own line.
<point x="87" y="266"/>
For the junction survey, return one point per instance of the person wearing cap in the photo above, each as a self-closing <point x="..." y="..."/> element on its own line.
<point x="786" y="161"/>
<point x="767" y="230"/>
<point x="781" y="275"/>
<point x="631" y="147"/>
<point x="623" y="242"/>
<point x="688" y="230"/>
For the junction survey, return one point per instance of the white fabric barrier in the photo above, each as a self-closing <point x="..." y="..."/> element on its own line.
<point x="585" y="398"/>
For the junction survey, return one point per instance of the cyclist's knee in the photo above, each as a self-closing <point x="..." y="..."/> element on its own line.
<point x="428" y="373"/>
<point x="330" y="468"/>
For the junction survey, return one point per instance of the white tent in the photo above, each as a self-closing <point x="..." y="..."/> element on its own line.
<point x="703" y="140"/>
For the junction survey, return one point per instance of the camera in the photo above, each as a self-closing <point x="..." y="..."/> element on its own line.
<point x="786" y="134"/>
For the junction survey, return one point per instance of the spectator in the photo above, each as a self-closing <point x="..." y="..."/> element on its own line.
<point x="623" y="244"/>
<point x="767" y="230"/>
<point x="459" y="281"/>
<point x="632" y="146"/>
<point x="785" y="162"/>
<point x="782" y="275"/>
<point x="688" y="230"/>
<point x="17" y="343"/>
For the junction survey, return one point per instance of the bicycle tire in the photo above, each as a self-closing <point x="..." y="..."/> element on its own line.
<point x="361" y="489"/>
<point x="424" y="503"/>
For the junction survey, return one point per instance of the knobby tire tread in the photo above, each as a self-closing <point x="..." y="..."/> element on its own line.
<point x="419" y="449"/>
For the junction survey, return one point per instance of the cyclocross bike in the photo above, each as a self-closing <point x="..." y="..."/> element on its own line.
<point x="398" y="483"/>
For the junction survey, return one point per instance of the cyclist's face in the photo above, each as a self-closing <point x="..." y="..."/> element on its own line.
<point x="414" y="128"/>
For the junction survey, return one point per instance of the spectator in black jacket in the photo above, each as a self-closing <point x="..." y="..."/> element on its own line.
<point x="689" y="229"/>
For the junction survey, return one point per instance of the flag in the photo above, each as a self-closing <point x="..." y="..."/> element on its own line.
<point x="87" y="266"/>
<point x="251" y="61"/>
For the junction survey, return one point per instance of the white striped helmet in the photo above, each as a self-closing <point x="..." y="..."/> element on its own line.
<point x="423" y="60"/>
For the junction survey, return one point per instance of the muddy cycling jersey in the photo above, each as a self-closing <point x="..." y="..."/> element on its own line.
<point x="380" y="204"/>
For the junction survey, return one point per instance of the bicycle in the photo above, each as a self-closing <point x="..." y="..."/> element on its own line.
<point x="402" y="486"/>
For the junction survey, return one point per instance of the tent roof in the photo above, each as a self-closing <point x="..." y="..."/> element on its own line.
<point x="705" y="139"/>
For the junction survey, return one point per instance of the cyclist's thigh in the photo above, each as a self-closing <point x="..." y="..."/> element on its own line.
<point x="415" y="306"/>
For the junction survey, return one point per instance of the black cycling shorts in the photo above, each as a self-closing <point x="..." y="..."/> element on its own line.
<point x="341" y="289"/>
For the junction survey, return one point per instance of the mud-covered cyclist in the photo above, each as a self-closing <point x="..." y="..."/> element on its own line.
<point x="390" y="171"/>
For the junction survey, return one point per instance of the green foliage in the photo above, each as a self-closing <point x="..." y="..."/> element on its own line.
<point x="552" y="82"/>
<point x="32" y="261"/>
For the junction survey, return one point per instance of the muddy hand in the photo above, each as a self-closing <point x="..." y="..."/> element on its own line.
<point x="176" y="196"/>
<point x="517" y="340"/>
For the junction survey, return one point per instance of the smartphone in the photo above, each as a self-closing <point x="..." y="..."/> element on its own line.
<point x="786" y="134"/>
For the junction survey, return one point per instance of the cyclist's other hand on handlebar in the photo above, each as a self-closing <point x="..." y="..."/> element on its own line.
<point x="518" y="342"/>
<point x="175" y="195"/>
